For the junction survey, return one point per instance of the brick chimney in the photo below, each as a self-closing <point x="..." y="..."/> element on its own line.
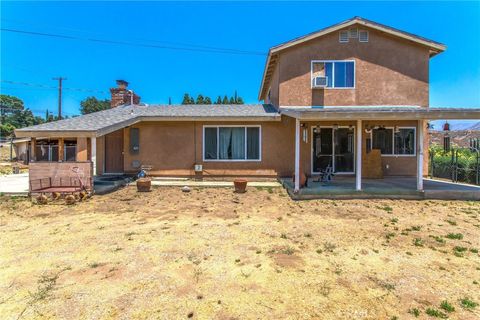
<point x="121" y="95"/>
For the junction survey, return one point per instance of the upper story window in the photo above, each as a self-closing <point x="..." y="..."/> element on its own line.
<point x="333" y="74"/>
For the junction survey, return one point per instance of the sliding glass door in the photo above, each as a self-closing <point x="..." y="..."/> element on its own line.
<point x="334" y="148"/>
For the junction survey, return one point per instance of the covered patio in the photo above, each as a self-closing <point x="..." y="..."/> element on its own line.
<point x="356" y="160"/>
<point x="344" y="187"/>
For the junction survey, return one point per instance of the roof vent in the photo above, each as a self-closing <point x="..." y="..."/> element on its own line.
<point x="343" y="36"/>
<point x="363" y="36"/>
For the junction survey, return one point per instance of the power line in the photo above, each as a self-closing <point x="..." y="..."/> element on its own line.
<point x="50" y="87"/>
<point x="55" y="27"/>
<point x="199" y="49"/>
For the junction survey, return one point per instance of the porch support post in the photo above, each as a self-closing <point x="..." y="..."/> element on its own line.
<point x="420" y="129"/>
<point x="358" y="158"/>
<point x="82" y="154"/>
<point x="93" y="153"/>
<point x="61" y="148"/>
<point x="297" y="155"/>
<point x="33" y="149"/>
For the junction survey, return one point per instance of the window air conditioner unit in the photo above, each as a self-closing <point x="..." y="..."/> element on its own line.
<point x="320" y="82"/>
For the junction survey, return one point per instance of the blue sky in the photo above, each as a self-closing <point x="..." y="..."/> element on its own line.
<point x="157" y="74"/>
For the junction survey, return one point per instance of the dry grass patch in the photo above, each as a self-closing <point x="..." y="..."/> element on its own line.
<point x="213" y="254"/>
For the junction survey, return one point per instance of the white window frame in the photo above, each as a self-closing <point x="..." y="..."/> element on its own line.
<point x="333" y="74"/>
<point x="333" y="150"/>
<point x="340" y="36"/>
<point x="218" y="145"/>
<point x="393" y="154"/>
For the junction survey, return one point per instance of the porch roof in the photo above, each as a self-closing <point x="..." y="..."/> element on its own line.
<point x="103" y="122"/>
<point x="379" y="113"/>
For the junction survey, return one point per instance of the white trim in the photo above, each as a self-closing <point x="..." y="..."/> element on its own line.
<point x="333" y="74"/>
<point x="420" y="156"/>
<point x="93" y="154"/>
<point x="340" y="36"/>
<point x="358" y="155"/>
<point x="218" y="146"/>
<point x="333" y="150"/>
<point x="297" y="156"/>
<point x="393" y="154"/>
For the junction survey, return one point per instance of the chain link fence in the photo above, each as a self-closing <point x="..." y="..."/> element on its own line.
<point x="457" y="165"/>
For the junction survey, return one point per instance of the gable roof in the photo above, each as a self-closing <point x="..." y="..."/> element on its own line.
<point x="103" y="122"/>
<point x="435" y="47"/>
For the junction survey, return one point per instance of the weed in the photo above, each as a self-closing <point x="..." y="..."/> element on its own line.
<point x="258" y="251"/>
<point x="389" y="235"/>
<point x="474" y="250"/>
<point x="409" y="253"/>
<point x="324" y="289"/>
<point x="288" y="251"/>
<point x="94" y="265"/>
<point x="319" y="251"/>
<point x="386" y="208"/>
<point x="451" y="222"/>
<point x="468" y="304"/>
<point x="307" y="235"/>
<point x="394" y="220"/>
<point x="439" y="239"/>
<point x="416" y="228"/>
<point x="445" y="305"/>
<point x="414" y="311"/>
<point x="435" y="313"/>
<point x="458" y="251"/>
<point x="328" y="246"/>
<point x="283" y="236"/>
<point x="418" y="242"/>
<point x="457" y="236"/>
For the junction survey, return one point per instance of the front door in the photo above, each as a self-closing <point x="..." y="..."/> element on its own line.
<point x="334" y="148"/>
<point x="114" y="152"/>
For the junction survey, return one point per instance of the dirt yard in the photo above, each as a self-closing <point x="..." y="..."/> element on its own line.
<point x="213" y="254"/>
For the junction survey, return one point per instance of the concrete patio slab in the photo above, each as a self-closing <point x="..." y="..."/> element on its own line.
<point x="343" y="187"/>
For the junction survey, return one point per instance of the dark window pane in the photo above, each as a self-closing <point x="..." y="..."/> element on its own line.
<point x="210" y="141"/>
<point x="349" y="74"/>
<point x="339" y="75"/>
<point x="382" y="139"/>
<point x="329" y="74"/>
<point x="405" y="141"/>
<point x="70" y="153"/>
<point x="253" y="143"/>
<point x="134" y="141"/>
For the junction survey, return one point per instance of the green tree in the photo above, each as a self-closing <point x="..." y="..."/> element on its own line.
<point x="92" y="104"/>
<point x="186" y="99"/>
<point x="207" y="100"/>
<point x="200" y="99"/>
<point x="225" y="100"/>
<point x="232" y="100"/>
<point x="240" y="100"/>
<point x="219" y="100"/>
<point x="10" y="103"/>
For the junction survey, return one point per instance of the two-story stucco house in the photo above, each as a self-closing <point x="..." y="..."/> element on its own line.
<point x="352" y="98"/>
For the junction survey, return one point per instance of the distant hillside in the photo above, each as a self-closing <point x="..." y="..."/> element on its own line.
<point x="457" y="125"/>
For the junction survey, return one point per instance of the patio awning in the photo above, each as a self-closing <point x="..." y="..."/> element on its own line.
<point x="379" y="113"/>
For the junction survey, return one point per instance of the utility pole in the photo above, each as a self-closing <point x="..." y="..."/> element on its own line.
<point x="60" y="79"/>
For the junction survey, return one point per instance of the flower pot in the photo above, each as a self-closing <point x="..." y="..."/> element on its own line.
<point x="240" y="185"/>
<point x="303" y="179"/>
<point x="144" y="185"/>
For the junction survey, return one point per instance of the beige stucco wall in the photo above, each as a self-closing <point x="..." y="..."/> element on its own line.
<point x="173" y="148"/>
<point x="388" y="71"/>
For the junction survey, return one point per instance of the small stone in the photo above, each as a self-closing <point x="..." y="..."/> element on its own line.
<point x="190" y="315"/>
<point x="186" y="189"/>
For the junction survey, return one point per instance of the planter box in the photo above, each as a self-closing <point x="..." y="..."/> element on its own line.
<point x="240" y="185"/>
<point x="144" y="185"/>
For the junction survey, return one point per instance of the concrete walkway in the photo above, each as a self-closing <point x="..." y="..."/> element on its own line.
<point x="14" y="184"/>
<point x="218" y="184"/>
